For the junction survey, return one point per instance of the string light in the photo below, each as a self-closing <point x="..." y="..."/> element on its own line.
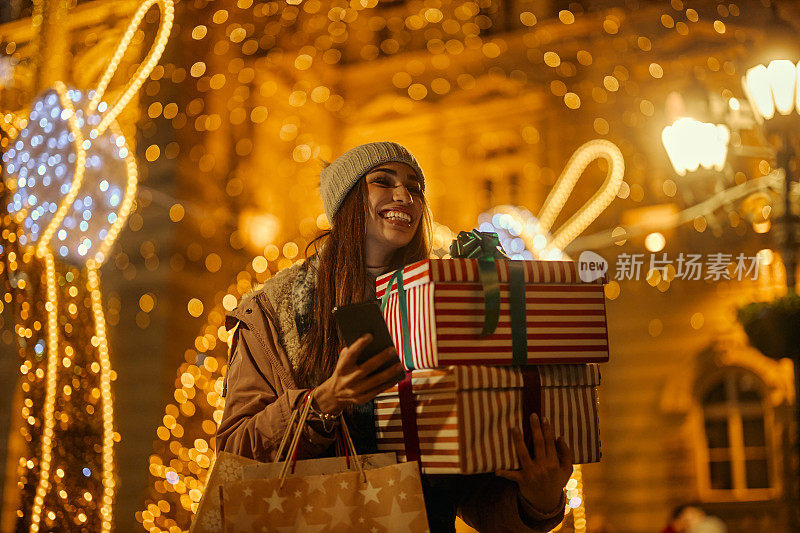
<point x="49" y="164"/>
<point x="525" y="236"/>
<point x="50" y="394"/>
<point x="590" y="151"/>
<point x="101" y="342"/>
<point x="145" y="68"/>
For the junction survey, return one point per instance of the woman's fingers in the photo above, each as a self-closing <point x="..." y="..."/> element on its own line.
<point x="525" y="461"/>
<point x="539" y="451"/>
<point x="378" y="360"/>
<point x="565" y="455"/>
<point x="388" y="376"/>
<point x="549" y="441"/>
<point x="371" y="393"/>
<point x="350" y="354"/>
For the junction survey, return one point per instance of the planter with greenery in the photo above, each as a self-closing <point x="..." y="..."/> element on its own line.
<point x="773" y="327"/>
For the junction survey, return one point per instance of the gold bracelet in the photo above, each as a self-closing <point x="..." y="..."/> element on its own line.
<point x="324" y="417"/>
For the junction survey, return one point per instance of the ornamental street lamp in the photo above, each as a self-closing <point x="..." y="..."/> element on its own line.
<point x="774" y="95"/>
<point x="771" y="89"/>
<point x="691" y="144"/>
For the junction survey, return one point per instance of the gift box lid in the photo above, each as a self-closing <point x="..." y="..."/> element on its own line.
<point x="461" y="378"/>
<point x="466" y="271"/>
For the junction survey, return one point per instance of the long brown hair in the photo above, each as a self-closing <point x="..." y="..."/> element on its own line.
<point x="342" y="279"/>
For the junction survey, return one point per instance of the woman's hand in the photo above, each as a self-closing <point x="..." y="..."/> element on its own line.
<point x="352" y="383"/>
<point x="542" y="478"/>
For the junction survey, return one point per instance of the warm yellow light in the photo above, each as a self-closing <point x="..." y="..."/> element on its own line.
<point x="105" y="392"/>
<point x="260" y="229"/>
<point x="691" y="144"/>
<point x="782" y="78"/>
<point x="765" y="257"/>
<point x="145" y="67"/>
<point x="655" y="242"/>
<point x="585" y="154"/>
<point x="772" y="87"/>
<point x="50" y="390"/>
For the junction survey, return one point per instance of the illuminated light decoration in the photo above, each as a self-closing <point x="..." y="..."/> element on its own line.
<point x="691" y="144"/>
<point x="772" y="88"/>
<point x="574" y="226"/>
<point x="74" y="179"/>
<point x="575" y="499"/>
<point x="517" y="229"/>
<point x="145" y="68"/>
<point x="105" y="393"/>
<point x="50" y="391"/>
<point x="518" y="226"/>
<point x="50" y="156"/>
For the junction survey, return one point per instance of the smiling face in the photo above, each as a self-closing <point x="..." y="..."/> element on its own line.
<point x="395" y="204"/>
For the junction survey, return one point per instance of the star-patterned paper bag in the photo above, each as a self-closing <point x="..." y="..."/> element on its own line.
<point x="389" y="501"/>
<point x="227" y="468"/>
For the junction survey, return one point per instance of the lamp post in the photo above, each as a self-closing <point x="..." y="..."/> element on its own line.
<point x="769" y="89"/>
<point x="773" y="91"/>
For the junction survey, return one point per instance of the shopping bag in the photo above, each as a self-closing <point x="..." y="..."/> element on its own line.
<point x="226" y="469"/>
<point x="361" y="494"/>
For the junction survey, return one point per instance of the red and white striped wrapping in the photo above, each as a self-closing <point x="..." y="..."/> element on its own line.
<point x="565" y="317"/>
<point x="465" y="414"/>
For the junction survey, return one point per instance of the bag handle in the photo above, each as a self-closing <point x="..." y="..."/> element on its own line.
<point x="301" y="415"/>
<point x="145" y="67"/>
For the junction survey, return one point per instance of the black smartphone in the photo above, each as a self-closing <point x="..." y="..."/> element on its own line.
<point x="355" y="320"/>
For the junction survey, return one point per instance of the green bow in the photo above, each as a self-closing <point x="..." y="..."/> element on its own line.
<point x="476" y="245"/>
<point x="485" y="247"/>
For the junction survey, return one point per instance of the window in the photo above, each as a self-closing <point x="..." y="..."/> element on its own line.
<point x="736" y="455"/>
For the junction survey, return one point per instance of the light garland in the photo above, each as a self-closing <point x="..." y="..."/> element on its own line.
<point x="101" y="342"/>
<point x="145" y="68"/>
<point x="596" y="149"/>
<point x="525" y="236"/>
<point x="50" y="163"/>
<point x="50" y="394"/>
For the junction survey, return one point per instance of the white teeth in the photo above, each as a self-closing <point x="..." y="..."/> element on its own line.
<point x="397" y="215"/>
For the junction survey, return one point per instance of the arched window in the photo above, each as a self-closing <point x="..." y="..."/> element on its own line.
<point x="736" y="455"/>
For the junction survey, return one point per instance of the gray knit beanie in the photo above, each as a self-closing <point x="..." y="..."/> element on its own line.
<point x="338" y="178"/>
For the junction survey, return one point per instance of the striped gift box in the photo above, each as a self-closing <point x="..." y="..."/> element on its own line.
<point x="565" y="317"/>
<point x="464" y="414"/>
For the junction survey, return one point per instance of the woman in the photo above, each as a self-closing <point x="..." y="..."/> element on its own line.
<point x="285" y="342"/>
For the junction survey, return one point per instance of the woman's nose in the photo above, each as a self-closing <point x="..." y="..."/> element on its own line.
<point x="402" y="194"/>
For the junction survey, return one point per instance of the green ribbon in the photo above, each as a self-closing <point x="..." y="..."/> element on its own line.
<point x="401" y="297"/>
<point x="485" y="247"/>
<point x="519" y="325"/>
